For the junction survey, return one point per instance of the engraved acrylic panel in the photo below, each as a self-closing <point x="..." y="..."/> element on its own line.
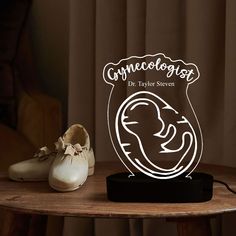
<point x="150" y="116"/>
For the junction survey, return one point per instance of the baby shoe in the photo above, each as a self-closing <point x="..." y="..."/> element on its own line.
<point x="74" y="161"/>
<point x="34" y="169"/>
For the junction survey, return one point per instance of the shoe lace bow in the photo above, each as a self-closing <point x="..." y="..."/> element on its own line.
<point x="43" y="153"/>
<point x="68" y="148"/>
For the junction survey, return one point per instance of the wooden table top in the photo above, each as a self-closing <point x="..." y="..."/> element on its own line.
<point x="91" y="200"/>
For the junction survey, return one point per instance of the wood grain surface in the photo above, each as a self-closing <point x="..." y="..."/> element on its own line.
<point x="91" y="200"/>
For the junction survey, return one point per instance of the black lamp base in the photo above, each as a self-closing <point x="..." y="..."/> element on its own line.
<point x="141" y="188"/>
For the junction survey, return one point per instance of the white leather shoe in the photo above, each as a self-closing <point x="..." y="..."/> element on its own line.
<point x="35" y="169"/>
<point x="74" y="161"/>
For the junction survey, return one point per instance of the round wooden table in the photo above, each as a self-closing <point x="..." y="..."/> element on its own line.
<point x="31" y="202"/>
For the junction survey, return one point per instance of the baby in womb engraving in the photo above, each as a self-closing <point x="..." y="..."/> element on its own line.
<point x="151" y="124"/>
<point x="166" y="132"/>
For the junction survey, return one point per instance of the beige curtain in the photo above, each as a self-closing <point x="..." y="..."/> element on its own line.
<point x="199" y="31"/>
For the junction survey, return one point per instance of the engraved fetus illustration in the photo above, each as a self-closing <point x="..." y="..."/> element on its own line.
<point x="167" y="132"/>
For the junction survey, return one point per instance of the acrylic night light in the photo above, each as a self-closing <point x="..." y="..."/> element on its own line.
<point x="154" y="131"/>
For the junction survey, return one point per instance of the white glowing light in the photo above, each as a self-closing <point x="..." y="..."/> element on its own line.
<point x="168" y="130"/>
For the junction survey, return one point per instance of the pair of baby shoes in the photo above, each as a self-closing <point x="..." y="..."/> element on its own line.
<point x="66" y="167"/>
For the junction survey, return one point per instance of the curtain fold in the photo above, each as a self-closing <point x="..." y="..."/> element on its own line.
<point x="198" y="31"/>
<point x="205" y="27"/>
<point x="230" y="84"/>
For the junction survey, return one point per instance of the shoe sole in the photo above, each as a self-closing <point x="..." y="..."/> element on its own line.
<point x="90" y="172"/>
<point x="27" y="180"/>
<point x="66" y="189"/>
